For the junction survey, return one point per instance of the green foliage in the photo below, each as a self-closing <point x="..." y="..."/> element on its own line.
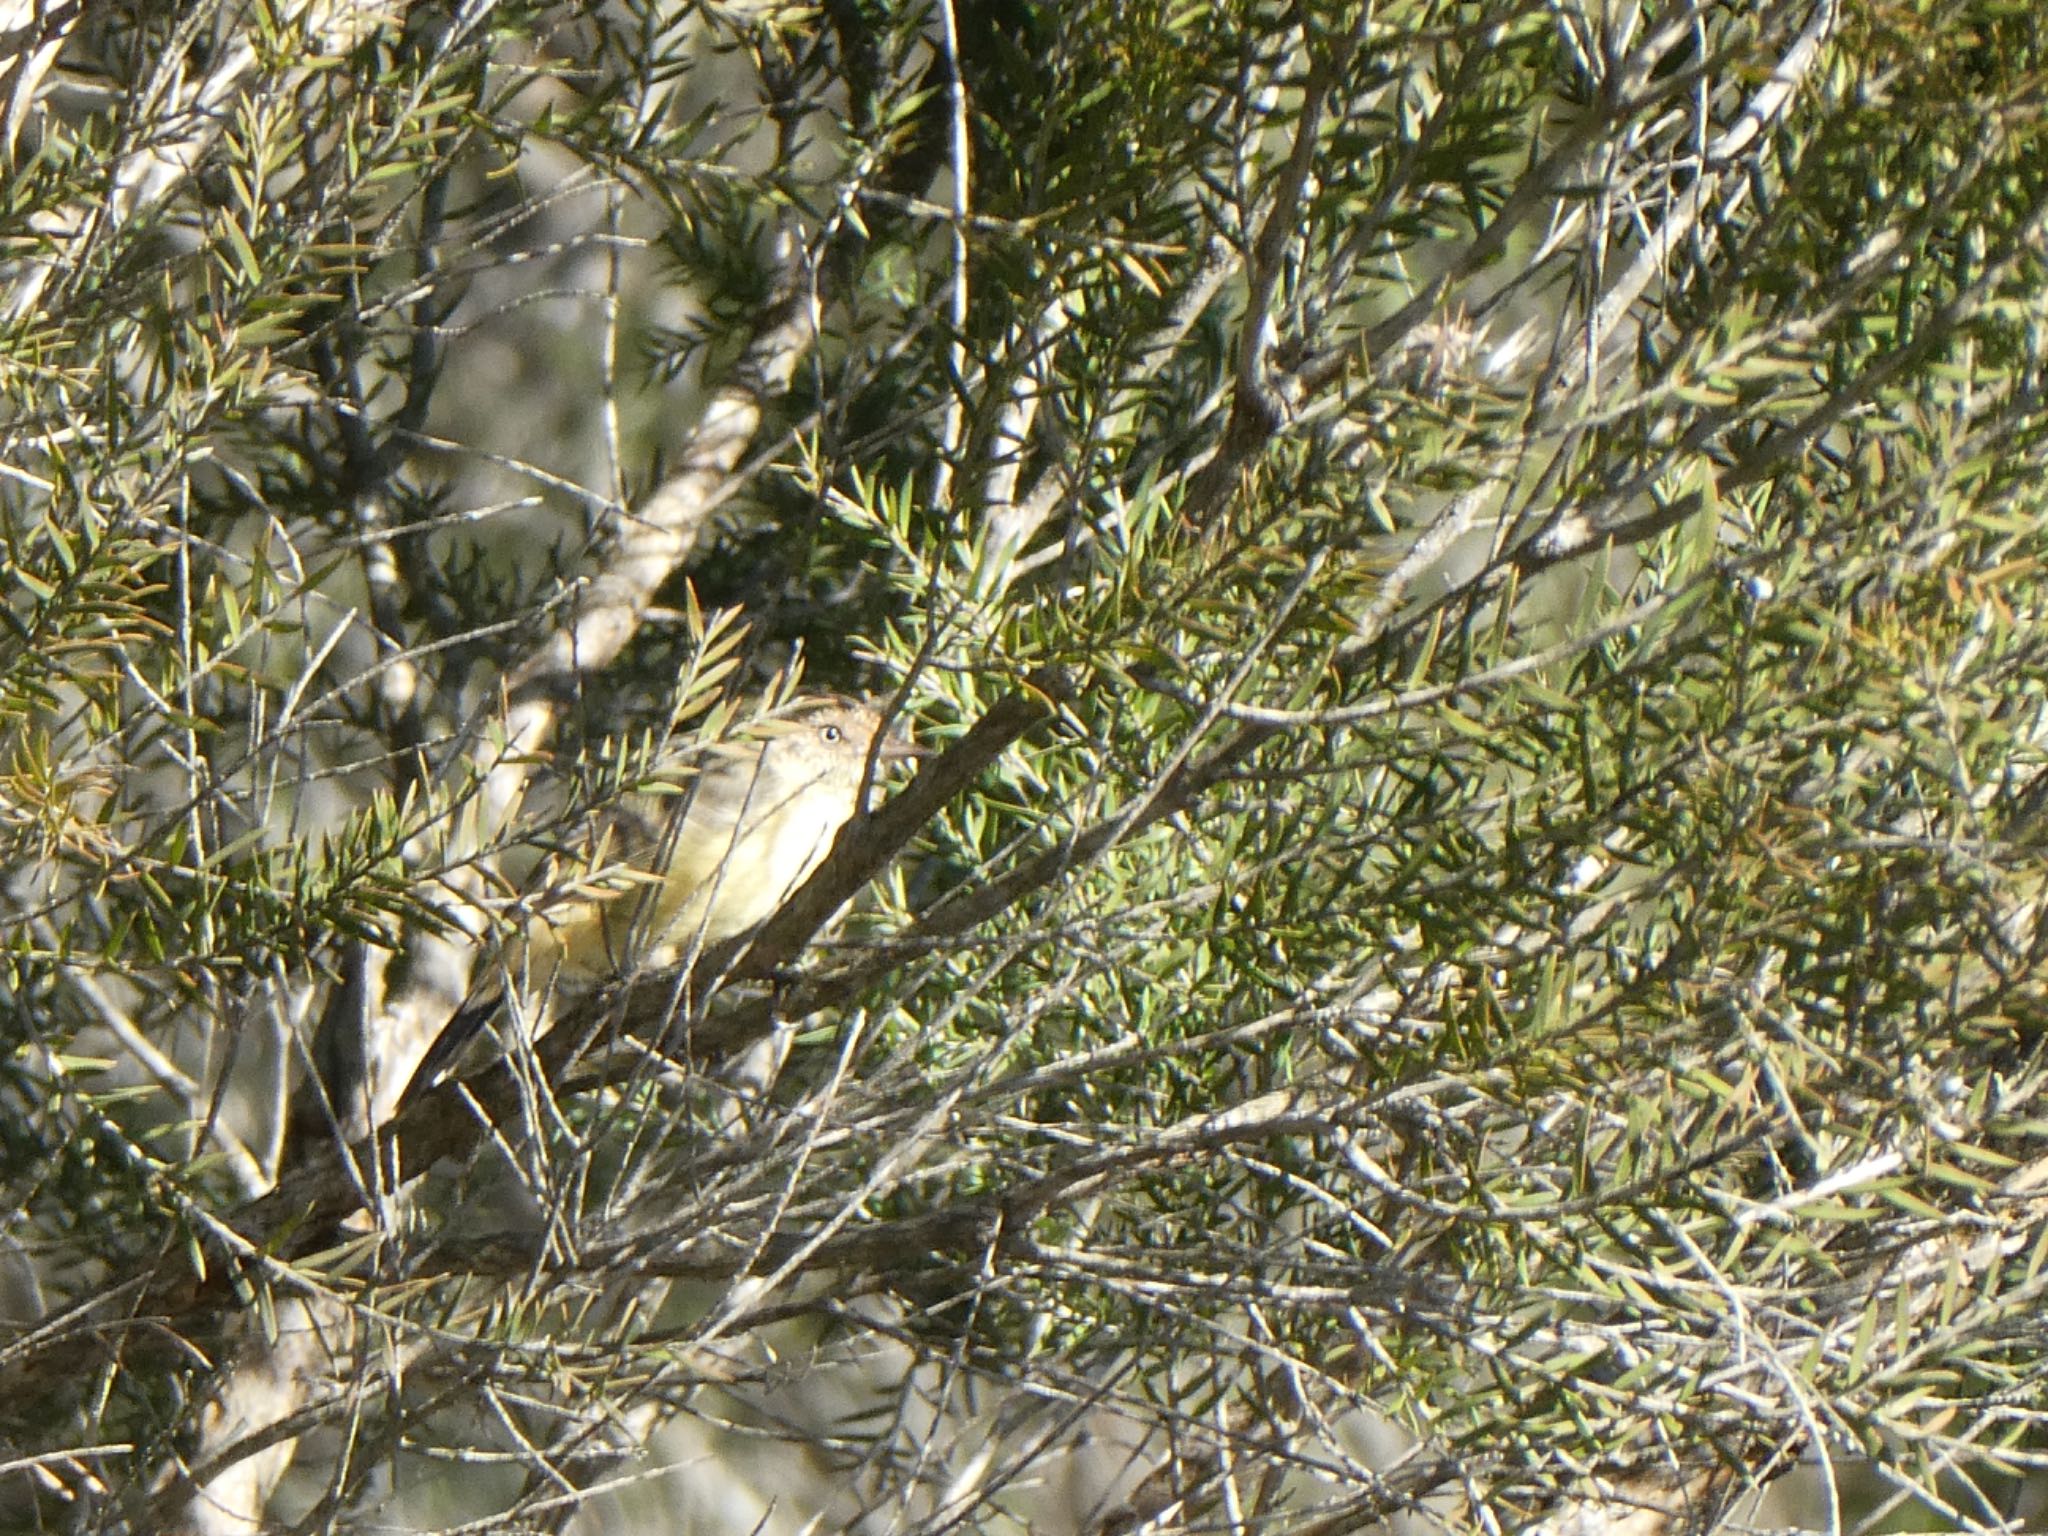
<point x="1519" y="919"/>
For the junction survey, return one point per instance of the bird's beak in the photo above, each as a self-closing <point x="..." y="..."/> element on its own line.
<point x="897" y="748"/>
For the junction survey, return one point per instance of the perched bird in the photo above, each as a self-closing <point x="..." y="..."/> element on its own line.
<point x="721" y="837"/>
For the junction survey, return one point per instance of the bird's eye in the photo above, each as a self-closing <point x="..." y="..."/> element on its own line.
<point x="831" y="733"/>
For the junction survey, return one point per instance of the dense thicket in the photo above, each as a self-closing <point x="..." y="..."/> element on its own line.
<point x="1473" y="957"/>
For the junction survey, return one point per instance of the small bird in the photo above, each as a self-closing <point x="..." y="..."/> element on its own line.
<point x="725" y="836"/>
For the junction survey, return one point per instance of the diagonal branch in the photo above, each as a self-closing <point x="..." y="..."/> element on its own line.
<point x="639" y="551"/>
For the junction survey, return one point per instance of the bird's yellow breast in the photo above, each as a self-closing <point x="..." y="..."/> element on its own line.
<point x="722" y="865"/>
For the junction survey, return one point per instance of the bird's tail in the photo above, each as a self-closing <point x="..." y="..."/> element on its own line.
<point x="464" y="1026"/>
